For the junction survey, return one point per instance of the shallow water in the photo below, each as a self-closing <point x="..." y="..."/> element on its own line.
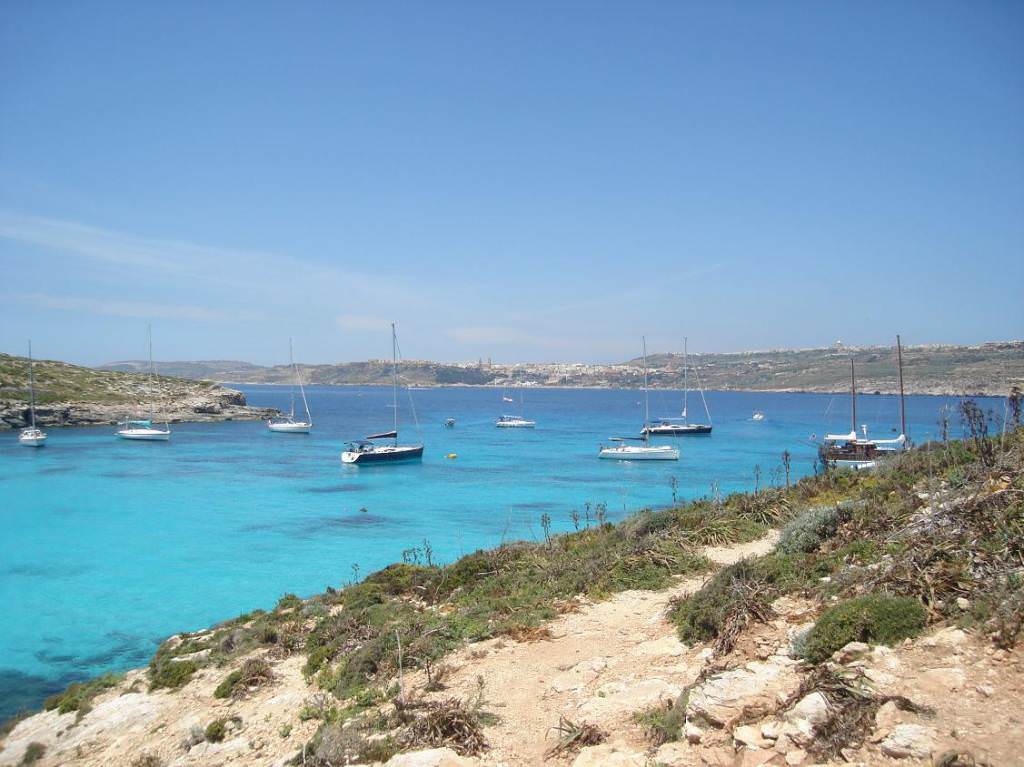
<point x="110" y="546"/>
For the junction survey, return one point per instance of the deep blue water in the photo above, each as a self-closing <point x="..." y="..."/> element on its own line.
<point x="110" y="546"/>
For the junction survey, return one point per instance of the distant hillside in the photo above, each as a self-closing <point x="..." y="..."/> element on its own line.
<point x="70" y="395"/>
<point x="989" y="368"/>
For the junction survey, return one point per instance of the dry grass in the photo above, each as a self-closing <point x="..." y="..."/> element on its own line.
<point x="572" y="737"/>
<point x="451" y="722"/>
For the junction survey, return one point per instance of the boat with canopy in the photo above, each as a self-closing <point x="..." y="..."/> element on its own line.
<point x="681" y="426"/>
<point x="624" y="450"/>
<point x="367" y="451"/>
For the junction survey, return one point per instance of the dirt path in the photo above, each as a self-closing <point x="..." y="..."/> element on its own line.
<point x="604" y="663"/>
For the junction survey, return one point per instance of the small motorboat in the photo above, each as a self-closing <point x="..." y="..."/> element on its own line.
<point x="757" y="416"/>
<point x="449" y="423"/>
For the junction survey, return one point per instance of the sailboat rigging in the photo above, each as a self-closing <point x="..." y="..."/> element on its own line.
<point x="622" y="451"/>
<point x="366" y="451"/>
<point x="32" y="435"/>
<point x="515" y="421"/>
<point x="853" y="452"/>
<point x="142" y="429"/>
<point x="287" y="424"/>
<point x="681" y="426"/>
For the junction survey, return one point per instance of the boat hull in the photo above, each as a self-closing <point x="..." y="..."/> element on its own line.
<point x="145" y="435"/>
<point x="34" y="438"/>
<point x="679" y="430"/>
<point x="522" y="424"/>
<point x="378" y="455"/>
<point x="636" y="453"/>
<point x="297" y="427"/>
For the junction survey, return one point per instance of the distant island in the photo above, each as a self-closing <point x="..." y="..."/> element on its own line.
<point x="982" y="369"/>
<point x="70" y="395"/>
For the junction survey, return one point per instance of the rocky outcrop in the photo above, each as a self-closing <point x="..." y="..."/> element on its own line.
<point x="197" y="404"/>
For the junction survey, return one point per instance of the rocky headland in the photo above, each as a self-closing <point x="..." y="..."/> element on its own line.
<point x="69" y="395"/>
<point x="866" y="619"/>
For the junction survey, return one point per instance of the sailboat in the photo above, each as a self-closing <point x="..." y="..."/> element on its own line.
<point x="673" y="427"/>
<point x="622" y="451"/>
<point x="143" y="430"/>
<point x="32" y="435"/>
<point x="287" y="424"/>
<point x="852" y="452"/>
<point x="366" y="451"/>
<point x="515" y="421"/>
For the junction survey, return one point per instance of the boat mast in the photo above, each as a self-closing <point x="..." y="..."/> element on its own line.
<point x="394" y="376"/>
<point x="31" y="387"/>
<point x="686" y="383"/>
<point x="298" y="379"/>
<point x="647" y="409"/>
<point x="291" y="361"/>
<point x="903" y="410"/>
<point x="853" y="400"/>
<point x="149" y="337"/>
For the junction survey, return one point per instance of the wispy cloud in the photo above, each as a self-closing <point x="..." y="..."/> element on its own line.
<point x="361" y="322"/>
<point x="242" y="269"/>
<point x="117" y="308"/>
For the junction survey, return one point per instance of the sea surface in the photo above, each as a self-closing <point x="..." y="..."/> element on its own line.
<point x="110" y="546"/>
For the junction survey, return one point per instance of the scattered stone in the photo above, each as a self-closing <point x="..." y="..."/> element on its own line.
<point x="987" y="690"/>
<point x="750" y="736"/>
<point x="945" y="638"/>
<point x="771" y="730"/>
<point x="851" y="652"/>
<point x="692" y="732"/>
<point x="756" y="686"/>
<point x="434" y="757"/>
<point x="609" y="755"/>
<point x="963" y="603"/>
<point x="906" y="740"/>
<point x="813" y="708"/>
<point x="796" y="757"/>
<point x="616" y="697"/>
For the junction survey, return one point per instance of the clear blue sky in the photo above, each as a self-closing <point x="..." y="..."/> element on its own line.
<point x="526" y="181"/>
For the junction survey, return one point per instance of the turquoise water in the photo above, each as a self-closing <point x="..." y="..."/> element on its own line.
<point x="110" y="546"/>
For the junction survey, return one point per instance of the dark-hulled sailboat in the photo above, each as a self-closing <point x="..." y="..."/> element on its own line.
<point x="678" y="427"/>
<point x="367" y="451"/>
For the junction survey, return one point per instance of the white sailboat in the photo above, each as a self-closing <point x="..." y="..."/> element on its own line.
<point x="366" y="451"/>
<point x="32" y="435"/>
<point x="675" y="427"/>
<point x="623" y="451"/>
<point x="143" y="430"/>
<point x="286" y="424"/>
<point x="515" y="421"/>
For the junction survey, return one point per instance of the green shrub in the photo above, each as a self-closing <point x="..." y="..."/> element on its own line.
<point x="33" y="753"/>
<point x="875" y="618"/>
<point x="663" y="723"/>
<point x="171" y="674"/>
<point x="216" y="730"/>
<point x="289" y="602"/>
<point x="79" y="695"/>
<point x="806" y="532"/>
<point x="227" y="685"/>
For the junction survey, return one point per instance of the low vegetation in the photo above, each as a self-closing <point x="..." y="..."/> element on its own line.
<point x="937" y="535"/>
<point x="78" y="696"/>
<point x="875" y="618"/>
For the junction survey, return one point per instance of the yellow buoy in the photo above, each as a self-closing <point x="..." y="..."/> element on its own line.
<point x="452" y="455"/>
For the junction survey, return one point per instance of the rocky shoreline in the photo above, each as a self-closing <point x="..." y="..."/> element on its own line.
<point x="214" y="404"/>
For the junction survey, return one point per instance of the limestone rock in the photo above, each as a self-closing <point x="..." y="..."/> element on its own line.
<point x="909" y="740"/>
<point x="750" y="736"/>
<point x="674" y="755"/>
<point x="692" y="732"/>
<point x="615" y="698"/>
<point x="755" y="686"/>
<point x="850" y="652"/>
<point x="434" y="757"/>
<point x="609" y="755"/>
<point x="946" y="638"/>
